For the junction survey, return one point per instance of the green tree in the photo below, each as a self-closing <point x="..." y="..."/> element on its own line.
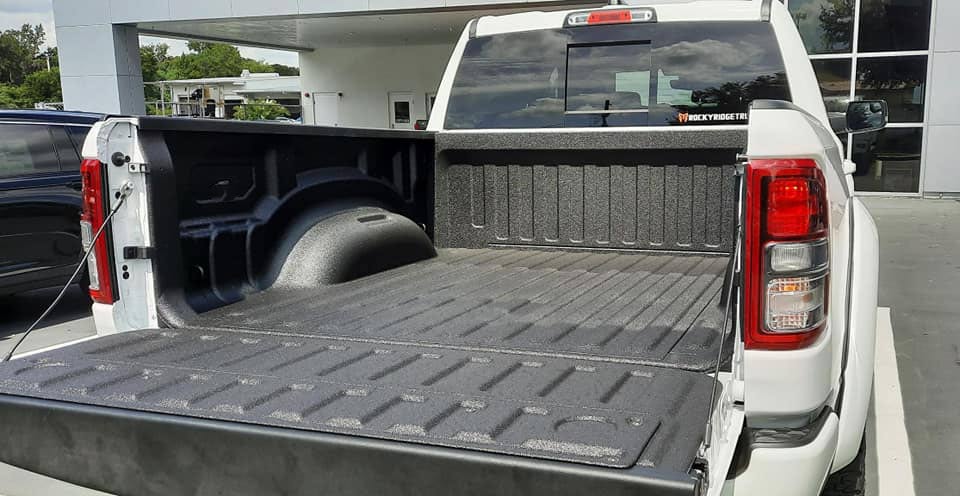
<point x="153" y="57"/>
<point x="285" y="70"/>
<point x="210" y="60"/>
<point x="152" y="60"/>
<point x="260" y="110"/>
<point x="19" y="49"/>
<point x="42" y="86"/>
<point x="11" y="96"/>
<point x="836" y="23"/>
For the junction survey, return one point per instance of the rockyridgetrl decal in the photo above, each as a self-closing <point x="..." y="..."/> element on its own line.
<point x="687" y="117"/>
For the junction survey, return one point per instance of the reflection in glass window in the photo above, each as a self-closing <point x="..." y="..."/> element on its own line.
<point x="898" y="80"/>
<point x="25" y="150"/>
<point x="834" y="79"/>
<point x="826" y="26"/>
<point x="401" y="112"/>
<point x="608" y="78"/>
<point x="706" y="74"/>
<point x="888" y="160"/>
<point x="894" y="25"/>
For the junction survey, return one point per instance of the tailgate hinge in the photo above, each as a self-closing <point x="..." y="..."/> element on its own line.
<point x="741" y="165"/>
<point x="121" y="159"/>
<point x="701" y="471"/>
<point x="137" y="252"/>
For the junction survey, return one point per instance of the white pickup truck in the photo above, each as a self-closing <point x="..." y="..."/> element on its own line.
<point x="626" y="258"/>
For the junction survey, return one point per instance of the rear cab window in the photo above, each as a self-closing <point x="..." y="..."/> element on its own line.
<point x="660" y="74"/>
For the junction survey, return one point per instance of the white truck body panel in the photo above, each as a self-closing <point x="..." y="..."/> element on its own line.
<point x="765" y="387"/>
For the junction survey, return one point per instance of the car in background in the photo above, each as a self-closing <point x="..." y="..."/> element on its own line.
<point x="40" y="197"/>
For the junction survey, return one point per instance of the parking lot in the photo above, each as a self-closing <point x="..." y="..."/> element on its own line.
<point x="919" y="272"/>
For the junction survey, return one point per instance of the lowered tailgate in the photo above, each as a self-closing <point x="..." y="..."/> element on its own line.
<point x="157" y="408"/>
<point x="359" y="410"/>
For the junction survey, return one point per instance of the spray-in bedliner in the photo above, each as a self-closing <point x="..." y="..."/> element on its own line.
<point x="586" y="357"/>
<point x="592" y="412"/>
<point x="650" y="308"/>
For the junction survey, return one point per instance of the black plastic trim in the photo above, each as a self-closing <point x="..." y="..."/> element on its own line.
<point x="129" y="452"/>
<point x="848" y="305"/>
<point x="788" y="437"/>
<point x="108" y="233"/>
<point x="773" y="438"/>
<point x="229" y="126"/>
<point x="138" y="252"/>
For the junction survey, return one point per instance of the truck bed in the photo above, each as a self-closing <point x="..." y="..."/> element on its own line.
<point x="551" y="355"/>
<point x="642" y="308"/>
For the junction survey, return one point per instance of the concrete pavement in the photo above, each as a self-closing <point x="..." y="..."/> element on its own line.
<point x="920" y="282"/>
<point x="69" y="321"/>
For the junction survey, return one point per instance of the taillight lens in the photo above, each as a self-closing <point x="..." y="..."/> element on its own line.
<point x="91" y="218"/>
<point x="786" y="254"/>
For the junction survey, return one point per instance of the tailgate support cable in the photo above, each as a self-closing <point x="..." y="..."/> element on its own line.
<point x="125" y="191"/>
<point x="727" y="297"/>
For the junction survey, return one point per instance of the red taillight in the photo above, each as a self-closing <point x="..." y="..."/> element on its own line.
<point x="786" y="254"/>
<point x="609" y="17"/>
<point x="94" y="211"/>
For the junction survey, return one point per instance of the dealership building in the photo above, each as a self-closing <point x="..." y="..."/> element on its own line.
<point x="377" y="63"/>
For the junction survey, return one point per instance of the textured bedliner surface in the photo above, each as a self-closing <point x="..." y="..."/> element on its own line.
<point x="542" y="354"/>
<point x="651" y="308"/>
<point x="598" y="413"/>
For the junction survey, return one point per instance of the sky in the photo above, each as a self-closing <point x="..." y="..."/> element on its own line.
<point x="15" y="13"/>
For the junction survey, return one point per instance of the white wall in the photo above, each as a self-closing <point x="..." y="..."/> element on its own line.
<point x="365" y="75"/>
<point x="942" y="171"/>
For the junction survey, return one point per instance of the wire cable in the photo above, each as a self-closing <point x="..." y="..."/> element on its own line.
<point x="125" y="191"/>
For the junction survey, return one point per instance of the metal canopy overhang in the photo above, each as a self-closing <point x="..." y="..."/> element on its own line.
<point x="306" y="32"/>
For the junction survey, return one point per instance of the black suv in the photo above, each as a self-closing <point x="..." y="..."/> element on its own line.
<point x="40" y="196"/>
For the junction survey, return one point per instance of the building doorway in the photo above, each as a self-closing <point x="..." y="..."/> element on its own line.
<point x="401" y="109"/>
<point x="326" y="108"/>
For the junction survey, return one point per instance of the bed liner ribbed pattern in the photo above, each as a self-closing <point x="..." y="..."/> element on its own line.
<point x="650" y="308"/>
<point x="608" y="414"/>
<point x="557" y="355"/>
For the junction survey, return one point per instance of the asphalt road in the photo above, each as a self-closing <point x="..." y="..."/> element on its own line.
<point x="919" y="281"/>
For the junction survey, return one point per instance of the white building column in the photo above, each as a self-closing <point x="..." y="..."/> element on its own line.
<point x="99" y="62"/>
<point x="941" y="171"/>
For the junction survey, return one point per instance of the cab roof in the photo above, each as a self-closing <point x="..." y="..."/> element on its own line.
<point x="51" y="116"/>
<point x="666" y="11"/>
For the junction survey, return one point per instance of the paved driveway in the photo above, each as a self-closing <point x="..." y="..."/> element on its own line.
<point x="920" y="282"/>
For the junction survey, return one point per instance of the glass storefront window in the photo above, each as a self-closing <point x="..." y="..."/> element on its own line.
<point x="826" y="26"/>
<point x="888" y="160"/>
<point x="834" y="79"/>
<point x="894" y="25"/>
<point x="898" y="80"/>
